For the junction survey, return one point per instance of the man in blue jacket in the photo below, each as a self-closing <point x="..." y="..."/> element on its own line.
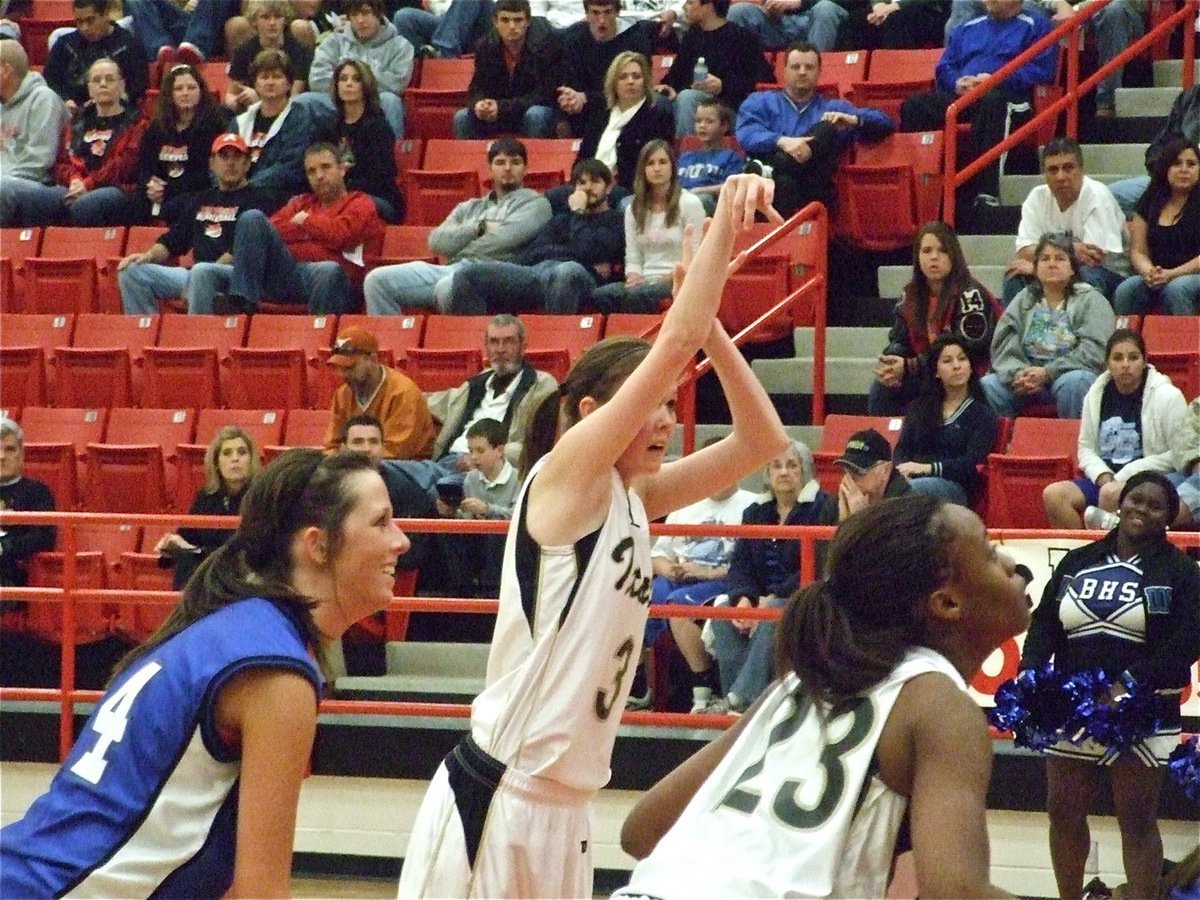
<point x="976" y="50"/>
<point x="801" y="134"/>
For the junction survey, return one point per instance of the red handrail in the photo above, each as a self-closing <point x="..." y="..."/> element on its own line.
<point x="1070" y="30"/>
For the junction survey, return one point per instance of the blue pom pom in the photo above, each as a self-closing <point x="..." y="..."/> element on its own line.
<point x="1184" y="766"/>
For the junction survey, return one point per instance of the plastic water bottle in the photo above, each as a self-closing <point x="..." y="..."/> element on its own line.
<point x="701" y="71"/>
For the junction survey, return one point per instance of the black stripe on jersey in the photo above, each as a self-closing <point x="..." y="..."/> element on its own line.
<point x="474" y="778"/>
<point x="526" y="558"/>
<point x="584" y="548"/>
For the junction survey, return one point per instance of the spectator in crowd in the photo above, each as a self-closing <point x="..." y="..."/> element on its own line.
<point x="1071" y="203"/>
<point x="695" y="571"/>
<point x="270" y="20"/>
<point x="895" y="25"/>
<point x="942" y="298"/>
<point x="311" y="251"/>
<point x="509" y="390"/>
<point x="779" y="23"/>
<point x="173" y="163"/>
<point x="373" y="389"/>
<point x="801" y="134"/>
<point x="1114" y="28"/>
<point x="488" y="491"/>
<point x="764" y="573"/>
<point x="658" y="221"/>
<point x="589" y="48"/>
<point x="363" y="138"/>
<point x="205" y="230"/>
<point x="97" y="162"/>
<point x="1186" y="476"/>
<point x="949" y="429"/>
<point x="1131" y="416"/>
<point x="231" y="463"/>
<point x="703" y="170"/>
<point x="315" y="20"/>
<point x="94" y="37"/>
<point x="868" y="476"/>
<point x="33" y="117"/>
<point x="733" y="63"/>
<point x="276" y="130"/>
<point x="616" y="133"/>
<point x="1166" y="238"/>
<point x="582" y="248"/>
<point x="450" y="35"/>
<point x="1183" y="121"/>
<point x="20" y="494"/>
<point x="1049" y="344"/>
<point x="496" y="226"/>
<point x="513" y="86"/>
<point x="372" y="39"/>
<point x="976" y="50"/>
<point x="173" y="32"/>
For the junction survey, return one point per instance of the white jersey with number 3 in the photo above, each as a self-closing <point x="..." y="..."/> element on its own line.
<point x="567" y="643"/>
<point x="794" y="809"/>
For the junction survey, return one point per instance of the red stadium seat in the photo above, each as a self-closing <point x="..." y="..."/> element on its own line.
<point x="901" y="174"/>
<point x="439" y="369"/>
<point x="768" y="278"/>
<point x="16" y="244"/>
<point x="441" y="91"/>
<point x="644" y="325"/>
<point x="190" y="365"/>
<point x="306" y="427"/>
<point x="454" y="332"/>
<point x="431" y="196"/>
<point x="573" y="333"/>
<point x="134" y="470"/>
<point x="1173" y="347"/>
<point x="903" y="65"/>
<point x="55" y="446"/>
<point x="103" y="367"/>
<point x="554" y="360"/>
<point x="66" y="275"/>
<point x="405" y="243"/>
<point x="265" y="427"/>
<point x="22" y="377"/>
<point x="279" y="362"/>
<point x="1041" y="451"/>
<point x="837" y="431"/>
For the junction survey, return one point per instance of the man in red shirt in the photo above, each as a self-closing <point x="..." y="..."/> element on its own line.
<point x="311" y="251"/>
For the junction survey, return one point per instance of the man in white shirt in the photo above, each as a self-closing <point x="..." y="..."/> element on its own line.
<point x="1082" y="207"/>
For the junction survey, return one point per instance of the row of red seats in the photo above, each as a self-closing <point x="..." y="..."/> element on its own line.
<point x="195" y="362"/>
<point x="122" y="557"/>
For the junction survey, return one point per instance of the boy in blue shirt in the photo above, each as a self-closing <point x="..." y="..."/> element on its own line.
<point x="703" y="171"/>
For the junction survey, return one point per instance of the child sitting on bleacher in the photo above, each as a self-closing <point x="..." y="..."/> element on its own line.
<point x="703" y="171"/>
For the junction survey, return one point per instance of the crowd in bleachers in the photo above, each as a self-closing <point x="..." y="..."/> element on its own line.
<point x="474" y="160"/>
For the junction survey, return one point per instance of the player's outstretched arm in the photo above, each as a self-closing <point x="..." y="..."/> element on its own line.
<point x="274" y="711"/>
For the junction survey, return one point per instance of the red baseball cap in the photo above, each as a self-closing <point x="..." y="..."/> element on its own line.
<point x="225" y="141"/>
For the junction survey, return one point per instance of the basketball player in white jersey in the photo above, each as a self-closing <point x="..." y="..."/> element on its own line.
<point x="805" y="795"/>
<point x="506" y="814"/>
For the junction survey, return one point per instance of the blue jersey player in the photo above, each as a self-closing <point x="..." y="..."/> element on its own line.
<point x="184" y="782"/>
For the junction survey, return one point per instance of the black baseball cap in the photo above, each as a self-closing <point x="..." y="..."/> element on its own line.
<point x="864" y="449"/>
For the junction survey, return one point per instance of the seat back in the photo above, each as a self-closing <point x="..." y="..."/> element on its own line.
<point x="837" y="431"/>
<point x="190" y="365"/>
<point x="405" y="243"/>
<point x="280" y="361"/>
<point x="573" y="333"/>
<point x="16" y="244"/>
<point x="840" y="69"/>
<point x="1173" y="346"/>
<point x="644" y="325"/>
<point x="887" y="96"/>
<point x="554" y="360"/>
<point x="54" y="465"/>
<point x="454" y="332"/>
<point x="104" y="365"/>
<point x="431" y="196"/>
<point x="265" y="427"/>
<point x="36" y="330"/>
<point x="93" y="621"/>
<point x="395" y="333"/>
<point x="22" y="377"/>
<point x="71" y="268"/>
<point x="55" y="448"/>
<point x="429" y="112"/>
<point x="1041" y="451"/>
<point x="446" y="74"/>
<point x="408" y="154"/>
<point x="903" y="65"/>
<point x="439" y="369"/>
<point x="135" y="429"/>
<point x="129" y="478"/>
<point x="306" y="427"/>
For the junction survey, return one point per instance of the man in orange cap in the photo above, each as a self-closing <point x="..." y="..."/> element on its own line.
<point x="374" y="389"/>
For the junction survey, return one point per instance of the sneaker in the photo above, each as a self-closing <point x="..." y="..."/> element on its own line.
<point x="1097" y="519"/>
<point x="189" y="54"/>
<point x="428" y="51"/>
<point x="637" y="704"/>
<point x="704" y="702"/>
<point x="233" y="305"/>
<point x="989" y="200"/>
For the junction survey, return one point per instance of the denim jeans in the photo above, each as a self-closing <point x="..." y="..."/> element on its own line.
<point x="1128" y="191"/>
<point x="745" y="661"/>
<point x="160" y="23"/>
<point x="100" y="206"/>
<point x="26" y="203"/>
<point x="205" y="281"/>
<point x="818" y="25"/>
<point x="691" y="593"/>
<point x="646" y="297"/>
<point x="1066" y="393"/>
<point x="488" y="288"/>
<point x="686" y="102"/>
<point x="941" y="488"/>
<point x="536" y="122"/>
<point x="144" y="284"/>
<point x="263" y="267"/>
<point x="452" y="34"/>
<point x="408" y="284"/>
<point x="1179" y="297"/>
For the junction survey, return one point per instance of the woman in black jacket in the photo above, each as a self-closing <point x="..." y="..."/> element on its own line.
<point x="1128" y="605"/>
<point x="364" y="139"/>
<point x="616" y="134"/>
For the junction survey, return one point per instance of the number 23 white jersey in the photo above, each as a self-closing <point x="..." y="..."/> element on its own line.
<point x="794" y="809"/>
<point x="567" y="643"/>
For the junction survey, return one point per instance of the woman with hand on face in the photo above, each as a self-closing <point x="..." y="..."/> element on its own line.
<point x="949" y="429"/>
<point x="1131" y="417"/>
<point x="1128" y="605"/>
<point x="1165" y="238"/>
<point x="941" y="298"/>
<point x="1049" y="344"/>
<point x="657" y="223"/>
<point x="185" y="779"/>
<point x="230" y="465"/>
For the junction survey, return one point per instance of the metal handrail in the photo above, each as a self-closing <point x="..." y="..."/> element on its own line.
<point x="1070" y="30"/>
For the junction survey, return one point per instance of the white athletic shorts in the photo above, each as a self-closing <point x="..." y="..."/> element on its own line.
<point x="484" y="830"/>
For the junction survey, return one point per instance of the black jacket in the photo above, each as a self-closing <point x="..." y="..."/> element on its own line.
<point x="769" y="566"/>
<point x="587" y="239"/>
<point x="653" y="120"/>
<point x="72" y="55"/>
<point x="1172" y="637"/>
<point x="533" y="82"/>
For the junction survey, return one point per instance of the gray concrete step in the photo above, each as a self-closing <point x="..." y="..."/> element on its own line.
<point x="1142" y="102"/>
<point x="1169" y="72"/>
